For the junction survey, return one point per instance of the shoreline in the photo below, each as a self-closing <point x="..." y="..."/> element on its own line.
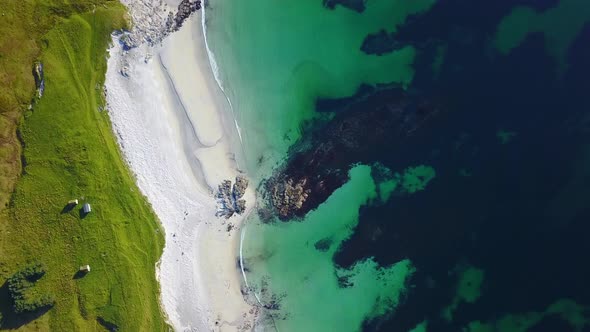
<point x="228" y="117"/>
<point x="171" y="120"/>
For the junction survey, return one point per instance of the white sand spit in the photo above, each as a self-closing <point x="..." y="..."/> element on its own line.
<point x="168" y="115"/>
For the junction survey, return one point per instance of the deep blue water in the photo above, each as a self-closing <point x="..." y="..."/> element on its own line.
<point x="519" y="211"/>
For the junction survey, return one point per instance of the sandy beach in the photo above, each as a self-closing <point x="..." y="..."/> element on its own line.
<point x="172" y="122"/>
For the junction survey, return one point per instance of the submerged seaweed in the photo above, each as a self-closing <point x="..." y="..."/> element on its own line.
<point x="442" y="171"/>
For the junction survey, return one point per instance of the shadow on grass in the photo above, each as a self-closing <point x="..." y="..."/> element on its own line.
<point x="79" y="274"/>
<point x="111" y="327"/>
<point x="82" y="213"/>
<point x="13" y="320"/>
<point x="67" y="208"/>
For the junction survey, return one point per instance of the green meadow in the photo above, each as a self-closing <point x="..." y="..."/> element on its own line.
<point x="69" y="152"/>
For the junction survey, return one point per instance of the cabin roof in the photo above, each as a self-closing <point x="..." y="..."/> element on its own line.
<point x="86" y="208"/>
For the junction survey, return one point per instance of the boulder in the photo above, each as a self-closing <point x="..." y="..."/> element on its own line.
<point x="229" y="197"/>
<point x="240" y="187"/>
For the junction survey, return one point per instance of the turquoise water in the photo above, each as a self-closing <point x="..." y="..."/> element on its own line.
<point x="452" y="230"/>
<point x="275" y="59"/>
<point x="560" y="25"/>
<point x="293" y="262"/>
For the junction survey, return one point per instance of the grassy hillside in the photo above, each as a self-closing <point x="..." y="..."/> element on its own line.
<point x="22" y="24"/>
<point x="18" y="50"/>
<point x="70" y="153"/>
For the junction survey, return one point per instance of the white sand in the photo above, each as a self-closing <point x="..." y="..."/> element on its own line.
<point x="169" y="118"/>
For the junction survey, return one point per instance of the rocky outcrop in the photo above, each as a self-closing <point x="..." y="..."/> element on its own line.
<point x="185" y="10"/>
<point x="153" y="21"/>
<point x="288" y="196"/>
<point x="372" y="122"/>
<point x="230" y="199"/>
<point x="302" y="184"/>
<point x="148" y="19"/>
<point x="39" y="78"/>
<point x="240" y="187"/>
<point x="380" y="43"/>
<point x="240" y="206"/>
<point x="224" y="199"/>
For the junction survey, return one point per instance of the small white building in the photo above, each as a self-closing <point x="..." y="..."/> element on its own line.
<point x="86" y="208"/>
<point x="73" y="202"/>
<point x="85" y="268"/>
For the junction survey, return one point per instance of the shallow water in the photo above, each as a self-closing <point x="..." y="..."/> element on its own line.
<point x="451" y="228"/>
<point x="291" y="265"/>
<point x="277" y="57"/>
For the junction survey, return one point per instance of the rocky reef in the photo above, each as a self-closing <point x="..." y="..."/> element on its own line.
<point x="230" y="199"/>
<point x="288" y="197"/>
<point x="356" y="5"/>
<point x="365" y="125"/>
<point x="380" y="43"/>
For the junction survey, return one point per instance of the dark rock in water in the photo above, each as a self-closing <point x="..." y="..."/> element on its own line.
<point x="380" y="43"/>
<point x="306" y="182"/>
<point x="323" y="244"/>
<point x="265" y="214"/>
<point x="358" y="134"/>
<point x="356" y="5"/>
<point x="229" y="198"/>
<point x="344" y="282"/>
<point x="272" y="305"/>
<point x="340" y="104"/>
<point x="39" y="78"/>
<point x="288" y="196"/>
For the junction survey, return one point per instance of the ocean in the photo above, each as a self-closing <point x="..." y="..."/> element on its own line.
<point x="421" y="165"/>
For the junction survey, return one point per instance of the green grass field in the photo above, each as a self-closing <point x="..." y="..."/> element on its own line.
<point x="70" y="153"/>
